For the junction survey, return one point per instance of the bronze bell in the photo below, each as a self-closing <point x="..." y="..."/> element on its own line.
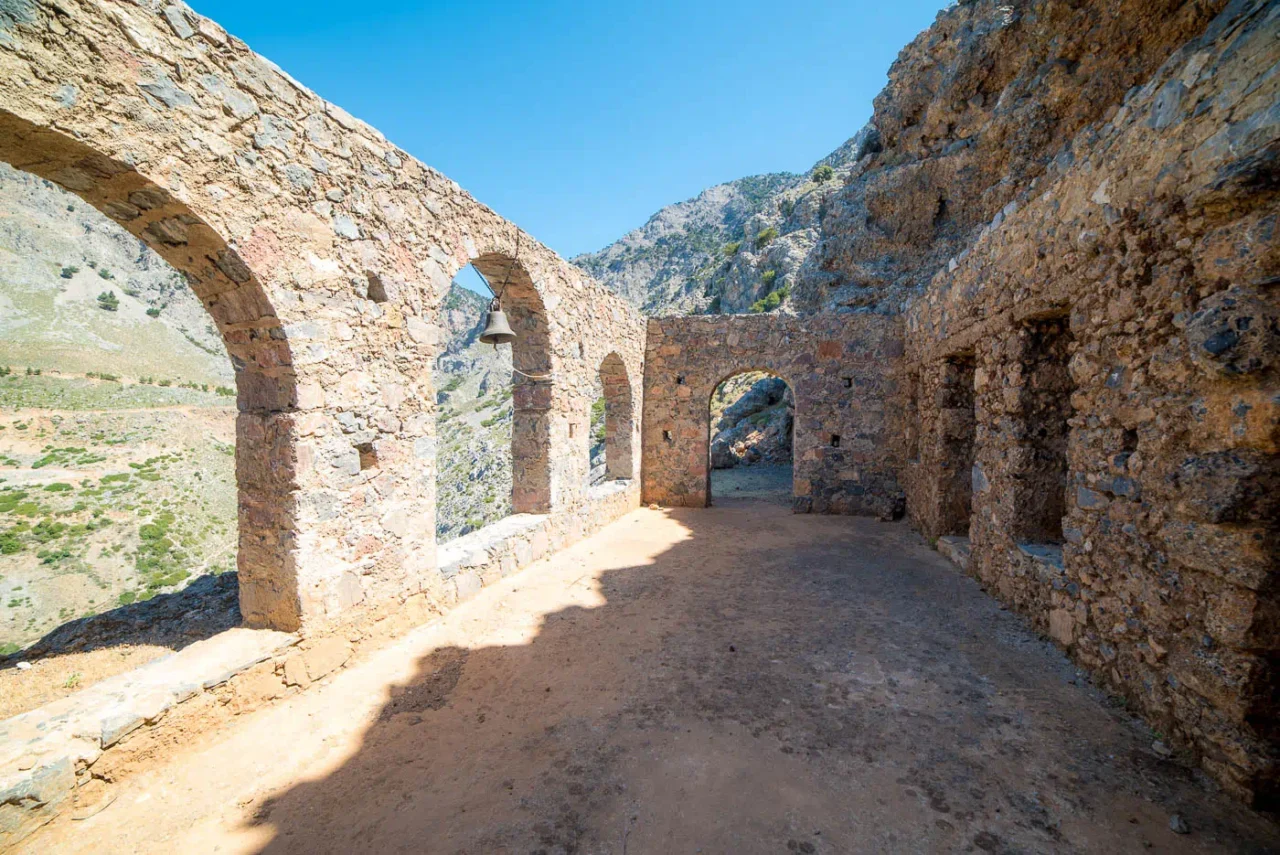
<point x="496" y="329"/>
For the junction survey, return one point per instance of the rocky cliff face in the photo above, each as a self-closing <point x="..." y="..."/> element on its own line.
<point x="752" y="419"/>
<point x="976" y="108"/>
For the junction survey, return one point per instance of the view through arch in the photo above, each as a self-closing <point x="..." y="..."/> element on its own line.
<point x="118" y="492"/>
<point x="751" y="423"/>
<point x="491" y="402"/>
<point x="612" y="423"/>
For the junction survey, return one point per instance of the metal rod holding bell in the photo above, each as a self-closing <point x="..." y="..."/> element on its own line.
<point x="496" y="329"/>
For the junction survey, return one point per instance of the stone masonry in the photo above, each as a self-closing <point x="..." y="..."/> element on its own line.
<point x="1089" y="393"/>
<point x="839" y="368"/>
<point x="1099" y="377"/>
<point x="322" y="252"/>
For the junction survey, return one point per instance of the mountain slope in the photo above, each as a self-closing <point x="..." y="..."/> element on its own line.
<point x="727" y="248"/>
<point x="57" y="255"/>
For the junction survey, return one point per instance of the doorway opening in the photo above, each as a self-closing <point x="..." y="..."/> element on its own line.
<point x="751" y="422"/>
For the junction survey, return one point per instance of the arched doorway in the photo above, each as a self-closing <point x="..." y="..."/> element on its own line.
<point x="255" y="340"/>
<point x="751" y="427"/>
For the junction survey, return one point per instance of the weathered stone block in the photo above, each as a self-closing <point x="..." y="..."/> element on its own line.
<point x="325" y="656"/>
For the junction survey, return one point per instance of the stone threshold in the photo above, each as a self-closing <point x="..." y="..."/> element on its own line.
<point x="46" y="752"/>
<point x="955" y="549"/>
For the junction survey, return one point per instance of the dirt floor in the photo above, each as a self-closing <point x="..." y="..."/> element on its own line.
<point x="758" y="483"/>
<point x="730" y="680"/>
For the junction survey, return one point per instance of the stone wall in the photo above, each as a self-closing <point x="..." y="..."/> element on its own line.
<point x="839" y="370"/>
<point x="1120" y="321"/>
<point x="322" y="252"/>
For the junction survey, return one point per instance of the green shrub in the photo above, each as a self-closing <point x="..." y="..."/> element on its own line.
<point x="772" y="300"/>
<point x="767" y="278"/>
<point x="69" y="271"/>
<point x="765" y="237"/>
<point x="58" y="487"/>
<point x="822" y="174"/>
<point x="105" y="273"/>
<point x="153" y="312"/>
<point x="109" y="301"/>
<point x="597" y="420"/>
<point x="731" y="249"/>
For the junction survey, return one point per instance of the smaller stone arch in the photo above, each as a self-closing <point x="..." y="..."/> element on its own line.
<point x="619" y="419"/>
<point x="710" y="395"/>
<point x="531" y="380"/>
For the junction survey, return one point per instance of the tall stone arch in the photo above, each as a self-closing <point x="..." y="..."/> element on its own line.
<point x="255" y="341"/>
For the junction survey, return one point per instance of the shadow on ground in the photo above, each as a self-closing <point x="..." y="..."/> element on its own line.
<point x="206" y="607"/>
<point x="768" y="683"/>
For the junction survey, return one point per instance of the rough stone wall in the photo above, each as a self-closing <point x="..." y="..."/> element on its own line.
<point x="976" y="108"/>
<point x="1129" y="302"/>
<point x="839" y="370"/>
<point x="323" y="253"/>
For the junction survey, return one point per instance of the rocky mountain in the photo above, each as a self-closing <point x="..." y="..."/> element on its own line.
<point x="729" y="248"/>
<point x="977" y="108"/>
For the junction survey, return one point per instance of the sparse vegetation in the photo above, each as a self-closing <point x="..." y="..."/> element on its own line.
<point x="765" y="236"/>
<point x="68" y="271"/>
<point x="731" y="249"/>
<point x="822" y="174"/>
<point x="772" y="300"/>
<point x="109" y="301"/>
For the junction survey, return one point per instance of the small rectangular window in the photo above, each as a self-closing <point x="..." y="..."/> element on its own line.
<point x="847" y="381"/>
<point x="835" y="440"/>
<point x="679" y="379"/>
<point x="368" y="457"/>
<point x="666" y="435"/>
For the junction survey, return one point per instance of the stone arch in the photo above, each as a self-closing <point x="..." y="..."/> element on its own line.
<point x="531" y="379"/>
<point x="749" y="369"/>
<point x="266" y="388"/>
<point x="619" y="419"/>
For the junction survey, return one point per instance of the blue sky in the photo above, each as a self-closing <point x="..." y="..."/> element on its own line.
<point x="578" y="120"/>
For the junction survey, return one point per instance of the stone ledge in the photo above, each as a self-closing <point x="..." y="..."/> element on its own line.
<point x="44" y="751"/>
<point x="1047" y="554"/>
<point x="956" y="550"/>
